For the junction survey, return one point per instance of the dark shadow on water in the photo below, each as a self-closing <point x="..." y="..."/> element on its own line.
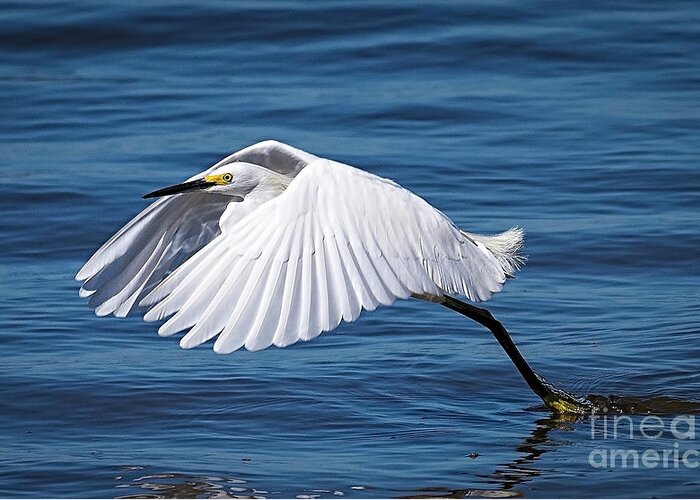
<point x="639" y="405"/>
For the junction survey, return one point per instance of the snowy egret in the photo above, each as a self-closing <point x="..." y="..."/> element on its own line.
<point x="273" y="245"/>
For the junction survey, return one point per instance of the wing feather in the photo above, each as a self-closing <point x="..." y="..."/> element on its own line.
<point x="205" y="276"/>
<point x="217" y="315"/>
<point x="160" y="238"/>
<point x="319" y="294"/>
<point x="109" y="287"/>
<point x="288" y="318"/>
<point x="348" y="231"/>
<point x="210" y="318"/>
<point x="255" y="300"/>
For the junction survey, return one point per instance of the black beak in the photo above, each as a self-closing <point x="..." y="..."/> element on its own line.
<point x="185" y="187"/>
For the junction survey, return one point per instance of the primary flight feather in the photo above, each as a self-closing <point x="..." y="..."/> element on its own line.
<point x="272" y="245"/>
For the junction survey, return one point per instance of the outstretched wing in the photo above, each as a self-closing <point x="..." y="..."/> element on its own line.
<point x="168" y="232"/>
<point x="337" y="241"/>
<point x="151" y="245"/>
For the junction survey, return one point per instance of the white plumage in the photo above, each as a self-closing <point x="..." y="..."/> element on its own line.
<point x="285" y="248"/>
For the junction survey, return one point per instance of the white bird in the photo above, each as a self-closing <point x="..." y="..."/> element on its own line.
<point x="273" y="245"/>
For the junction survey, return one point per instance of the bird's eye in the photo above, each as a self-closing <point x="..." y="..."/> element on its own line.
<point x="227" y="177"/>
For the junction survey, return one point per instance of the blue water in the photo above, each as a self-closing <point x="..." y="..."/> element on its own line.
<point x="579" y="121"/>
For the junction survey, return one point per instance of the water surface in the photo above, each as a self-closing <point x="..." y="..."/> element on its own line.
<point x="578" y="122"/>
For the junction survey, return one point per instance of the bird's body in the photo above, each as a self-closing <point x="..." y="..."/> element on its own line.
<point x="273" y="245"/>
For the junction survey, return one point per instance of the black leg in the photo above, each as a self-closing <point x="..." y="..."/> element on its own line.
<point x="557" y="399"/>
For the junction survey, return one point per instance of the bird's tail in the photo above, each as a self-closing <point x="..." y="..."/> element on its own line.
<point x="506" y="247"/>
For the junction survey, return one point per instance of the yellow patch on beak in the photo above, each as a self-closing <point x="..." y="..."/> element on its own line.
<point x="219" y="179"/>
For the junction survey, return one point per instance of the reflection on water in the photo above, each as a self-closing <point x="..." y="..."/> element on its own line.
<point x="506" y="477"/>
<point x="178" y="485"/>
<point x="445" y="493"/>
<point x="523" y="468"/>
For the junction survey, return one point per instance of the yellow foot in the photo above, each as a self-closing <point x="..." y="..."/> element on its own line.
<point x="563" y="402"/>
<point x="566" y="405"/>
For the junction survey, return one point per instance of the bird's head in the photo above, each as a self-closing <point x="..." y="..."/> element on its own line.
<point x="235" y="179"/>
